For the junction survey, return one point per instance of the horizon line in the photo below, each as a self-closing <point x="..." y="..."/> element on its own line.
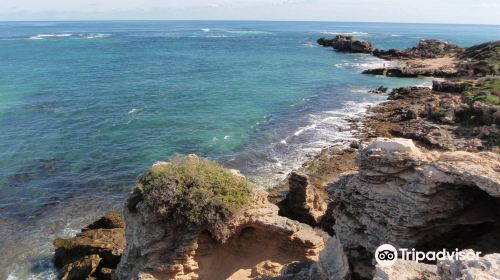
<point x="248" y="20"/>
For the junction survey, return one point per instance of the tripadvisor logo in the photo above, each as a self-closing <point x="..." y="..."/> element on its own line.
<point x="387" y="255"/>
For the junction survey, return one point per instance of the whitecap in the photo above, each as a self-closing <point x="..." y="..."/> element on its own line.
<point x="226" y="137"/>
<point x="133" y="111"/>
<point x="344" y="33"/>
<point x="249" y="32"/>
<point x="94" y="36"/>
<point x="303" y="129"/>
<point x="359" y="90"/>
<point x="47" y="36"/>
<point x="309" y="44"/>
<point x="205" y="29"/>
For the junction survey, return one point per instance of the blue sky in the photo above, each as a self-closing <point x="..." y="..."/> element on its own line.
<point x="433" y="11"/>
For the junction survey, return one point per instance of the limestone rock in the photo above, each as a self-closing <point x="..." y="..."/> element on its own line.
<point x="94" y="252"/>
<point x="108" y="221"/>
<point x="489" y="113"/>
<point x="344" y="43"/>
<point x="304" y="202"/>
<point x="426" y="48"/>
<point x="406" y="270"/>
<point x="107" y="243"/>
<point x="332" y="263"/>
<point x="254" y="243"/>
<point x="484" y="268"/>
<point x="80" y="269"/>
<point x="414" y="199"/>
<point x="449" y="86"/>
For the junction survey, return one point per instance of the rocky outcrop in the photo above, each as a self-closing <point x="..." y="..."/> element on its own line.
<point x="450" y="86"/>
<point x="414" y="199"/>
<point x="81" y="269"/>
<point x="436" y="120"/>
<point x="486" y="267"/>
<point x="304" y="202"/>
<point x="426" y="48"/>
<point x="345" y="43"/>
<point x="481" y="60"/>
<point x="256" y="242"/>
<point x="412" y="72"/>
<point x="302" y="196"/>
<point x="406" y="270"/>
<point x="379" y="90"/>
<point x="94" y="252"/>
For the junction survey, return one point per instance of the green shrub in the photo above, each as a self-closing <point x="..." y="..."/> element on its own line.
<point x="484" y="97"/>
<point x="195" y="191"/>
<point x="486" y="91"/>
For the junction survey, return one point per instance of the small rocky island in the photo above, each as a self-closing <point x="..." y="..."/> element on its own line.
<point x="424" y="173"/>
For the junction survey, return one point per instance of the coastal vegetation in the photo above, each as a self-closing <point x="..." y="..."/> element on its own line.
<point x="487" y="91"/>
<point x="195" y="191"/>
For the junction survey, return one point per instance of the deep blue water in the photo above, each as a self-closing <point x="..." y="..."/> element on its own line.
<point x="86" y="106"/>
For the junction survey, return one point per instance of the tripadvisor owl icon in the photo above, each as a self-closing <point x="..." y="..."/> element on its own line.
<point x="386" y="255"/>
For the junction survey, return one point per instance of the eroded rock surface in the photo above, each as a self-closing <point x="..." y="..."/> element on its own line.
<point x="414" y="199"/>
<point x="254" y="243"/>
<point x="94" y="252"/>
<point x="435" y="120"/>
<point x="406" y="270"/>
<point x="484" y="268"/>
<point x="304" y="202"/>
<point x="426" y="48"/>
<point x="346" y="43"/>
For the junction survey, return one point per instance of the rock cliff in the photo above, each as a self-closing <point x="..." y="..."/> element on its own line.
<point x="414" y="199"/>
<point x="254" y="242"/>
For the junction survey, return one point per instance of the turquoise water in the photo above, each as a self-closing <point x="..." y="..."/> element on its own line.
<point x="86" y="106"/>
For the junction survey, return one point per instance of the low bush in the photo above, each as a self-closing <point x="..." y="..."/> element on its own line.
<point x="195" y="191"/>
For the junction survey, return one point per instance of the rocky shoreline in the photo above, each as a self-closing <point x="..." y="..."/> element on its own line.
<point x="424" y="173"/>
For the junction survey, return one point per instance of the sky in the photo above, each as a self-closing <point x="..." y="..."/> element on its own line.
<point x="427" y="11"/>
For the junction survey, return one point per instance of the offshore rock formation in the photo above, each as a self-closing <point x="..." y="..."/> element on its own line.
<point x="414" y="199"/>
<point x="345" y="43"/>
<point x="94" y="253"/>
<point x="254" y="243"/>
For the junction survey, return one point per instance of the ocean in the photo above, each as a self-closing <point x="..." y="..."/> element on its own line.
<point x="85" y="107"/>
